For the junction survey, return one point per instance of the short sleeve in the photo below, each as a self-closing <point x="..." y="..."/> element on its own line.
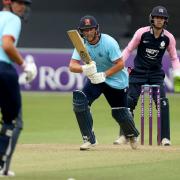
<point x="76" y="55"/>
<point x="114" y="50"/>
<point x="12" y="27"/>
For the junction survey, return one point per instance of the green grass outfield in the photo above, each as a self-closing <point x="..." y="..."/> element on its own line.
<point x="49" y="144"/>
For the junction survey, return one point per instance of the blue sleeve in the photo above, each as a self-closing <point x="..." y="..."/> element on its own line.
<point x="76" y="55"/>
<point x="114" y="50"/>
<point x="13" y="28"/>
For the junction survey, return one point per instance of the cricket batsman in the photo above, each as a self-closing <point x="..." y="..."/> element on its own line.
<point x="105" y="75"/>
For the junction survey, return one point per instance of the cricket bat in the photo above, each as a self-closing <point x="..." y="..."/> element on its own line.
<point x="78" y="43"/>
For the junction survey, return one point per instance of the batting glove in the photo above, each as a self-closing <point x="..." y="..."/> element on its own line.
<point x="30" y="70"/>
<point x="89" y="69"/>
<point x="97" y="78"/>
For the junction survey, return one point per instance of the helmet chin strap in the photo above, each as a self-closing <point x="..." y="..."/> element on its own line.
<point x="164" y="26"/>
<point x="152" y="22"/>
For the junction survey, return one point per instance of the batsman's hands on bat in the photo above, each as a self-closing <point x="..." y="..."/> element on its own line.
<point x="97" y="78"/>
<point x="89" y="69"/>
<point x="30" y="70"/>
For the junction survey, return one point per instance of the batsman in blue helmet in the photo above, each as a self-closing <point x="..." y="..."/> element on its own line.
<point x="105" y="75"/>
<point x="10" y="97"/>
<point x="151" y="43"/>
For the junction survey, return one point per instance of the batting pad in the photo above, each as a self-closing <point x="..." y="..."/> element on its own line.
<point x="124" y="118"/>
<point x="83" y="116"/>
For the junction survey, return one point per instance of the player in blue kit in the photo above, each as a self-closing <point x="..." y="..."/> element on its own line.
<point x="106" y="75"/>
<point x="10" y="97"/>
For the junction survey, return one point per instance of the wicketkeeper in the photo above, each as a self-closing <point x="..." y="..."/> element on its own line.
<point x="151" y="43"/>
<point x="105" y="75"/>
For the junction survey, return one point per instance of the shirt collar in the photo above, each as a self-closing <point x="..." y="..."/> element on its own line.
<point x="152" y="32"/>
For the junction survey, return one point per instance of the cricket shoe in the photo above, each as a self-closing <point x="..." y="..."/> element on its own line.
<point x="121" y="140"/>
<point x="7" y="174"/>
<point x="165" y="142"/>
<point x="87" y="145"/>
<point x="133" y="142"/>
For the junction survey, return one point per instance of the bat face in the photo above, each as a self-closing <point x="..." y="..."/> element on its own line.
<point x="78" y="43"/>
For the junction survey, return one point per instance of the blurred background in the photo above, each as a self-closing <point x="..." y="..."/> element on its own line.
<point x="44" y="37"/>
<point x="120" y="18"/>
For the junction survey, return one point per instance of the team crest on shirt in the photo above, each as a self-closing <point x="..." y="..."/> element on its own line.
<point x="162" y="45"/>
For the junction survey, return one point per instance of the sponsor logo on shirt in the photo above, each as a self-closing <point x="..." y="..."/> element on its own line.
<point x="145" y="41"/>
<point x="151" y="53"/>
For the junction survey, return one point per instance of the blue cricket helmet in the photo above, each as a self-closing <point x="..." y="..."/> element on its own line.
<point x="87" y="22"/>
<point x="160" y="11"/>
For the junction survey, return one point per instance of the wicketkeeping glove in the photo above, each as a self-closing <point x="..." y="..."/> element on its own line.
<point x="89" y="69"/>
<point x="176" y="73"/>
<point x="30" y="70"/>
<point x="176" y="77"/>
<point x="97" y="78"/>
